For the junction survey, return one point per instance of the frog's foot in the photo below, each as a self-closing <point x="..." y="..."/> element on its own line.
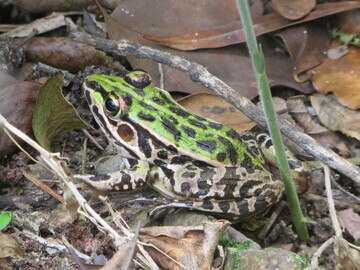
<point x="300" y="172"/>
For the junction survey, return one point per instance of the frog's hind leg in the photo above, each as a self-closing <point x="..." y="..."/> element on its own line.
<point x="299" y="170"/>
<point x="219" y="190"/>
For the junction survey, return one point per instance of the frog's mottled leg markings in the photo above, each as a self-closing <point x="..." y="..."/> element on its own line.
<point x="122" y="180"/>
<point x="230" y="190"/>
<point x="299" y="170"/>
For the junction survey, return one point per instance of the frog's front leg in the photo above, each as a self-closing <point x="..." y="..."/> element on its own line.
<point x="122" y="180"/>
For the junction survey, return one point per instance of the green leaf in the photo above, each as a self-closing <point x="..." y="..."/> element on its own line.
<point x="308" y="220"/>
<point x="53" y="114"/>
<point x="5" y="219"/>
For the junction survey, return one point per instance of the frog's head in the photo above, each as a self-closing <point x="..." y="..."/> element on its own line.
<point x="110" y="99"/>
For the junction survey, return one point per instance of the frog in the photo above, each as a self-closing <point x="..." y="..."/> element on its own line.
<point x="193" y="162"/>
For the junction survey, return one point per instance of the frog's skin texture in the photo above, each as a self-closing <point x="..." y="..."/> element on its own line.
<point x="194" y="162"/>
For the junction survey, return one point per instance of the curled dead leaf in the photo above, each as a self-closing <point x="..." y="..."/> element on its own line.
<point x="192" y="247"/>
<point x="341" y="76"/>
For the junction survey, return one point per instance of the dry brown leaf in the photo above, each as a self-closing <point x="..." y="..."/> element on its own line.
<point x="351" y="222"/>
<point x="350" y="21"/>
<point x="230" y="64"/>
<point x="17" y="104"/>
<point x="214" y="107"/>
<point x="307" y="45"/>
<point x="226" y="34"/>
<point x="341" y="76"/>
<point x="293" y="9"/>
<point x="306" y="121"/>
<point x="192" y="247"/>
<point x="335" y="116"/>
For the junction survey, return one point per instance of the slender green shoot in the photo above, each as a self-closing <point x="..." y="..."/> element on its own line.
<point x="258" y="63"/>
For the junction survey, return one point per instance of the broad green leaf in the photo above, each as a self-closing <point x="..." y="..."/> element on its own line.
<point x="5" y="219"/>
<point x="53" y="114"/>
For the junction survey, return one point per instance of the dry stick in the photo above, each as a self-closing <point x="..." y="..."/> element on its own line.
<point x="200" y="75"/>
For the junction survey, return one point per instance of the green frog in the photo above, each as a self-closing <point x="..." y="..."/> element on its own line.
<point x="192" y="161"/>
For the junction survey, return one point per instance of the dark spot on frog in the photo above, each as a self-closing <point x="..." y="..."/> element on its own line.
<point x="197" y="124"/>
<point x="233" y="155"/>
<point x="268" y="143"/>
<point x="224" y="206"/>
<point x="244" y="190"/>
<point x="111" y="79"/>
<point x="88" y="97"/>
<point x="128" y="99"/>
<point x="162" y="154"/>
<point x="139" y="91"/>
<point x="233" y="134"/>
<point x="243" y="208"/>
<point x="270" y="194"/>
<point x="189" y="131"/>
<point x="174" y="120"/>
<point x="207" y="145"/>
<point x="97" y="87"/>
<point x="207" y="205"/>
<point x="114" y="87"/>
<point x="185" y="188"/>
<point x="188" y="175"/>
<point x="247" y="164"/>
<point x="158" y="100"/>
<point x="221" y="157"/>
<point x="147" y="106"/>
<point x="182" y="159"/>
<point x="100" y="177"/>
<point x="100" y="118"/>
<point x="206" y="167"/>
<point x="209" y="135"/>
<point x="200" y="118"/>
<point x="146" y="117"/>
<point x="171" y="129"/>
<point x="261" y="138"/>
<point x="261" y="203"/>
<point x="166" y="99"/>
<point x="143" y="141"/>
<point x="139" y="182"/>
<point x="179" y="112"/>
<point x="169" y="174"/>
<point x="159" y="163"/>
<point x="258" y="191"/>
<point x="216" y="126"/>
<point x="132" y="162"/>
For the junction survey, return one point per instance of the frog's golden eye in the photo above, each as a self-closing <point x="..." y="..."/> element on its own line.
<point x="112" y="105"/>
<point x="138" y="78"/>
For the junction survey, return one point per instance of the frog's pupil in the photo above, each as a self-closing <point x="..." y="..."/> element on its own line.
<point x="110" y="105"/>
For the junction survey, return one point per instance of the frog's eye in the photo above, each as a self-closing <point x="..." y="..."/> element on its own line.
<point x="138" y="78"/>
<point x="112" y="106"/>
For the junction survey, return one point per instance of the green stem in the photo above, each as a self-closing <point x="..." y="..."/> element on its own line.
<point x="258" y="62"/>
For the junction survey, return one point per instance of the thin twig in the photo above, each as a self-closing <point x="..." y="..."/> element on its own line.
<point x="200" y="75"/>
<point x="317" y="254"/>
<point x="333" y="216"/>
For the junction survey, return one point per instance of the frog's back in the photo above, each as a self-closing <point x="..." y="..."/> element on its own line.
<point x="155" y="110"/>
